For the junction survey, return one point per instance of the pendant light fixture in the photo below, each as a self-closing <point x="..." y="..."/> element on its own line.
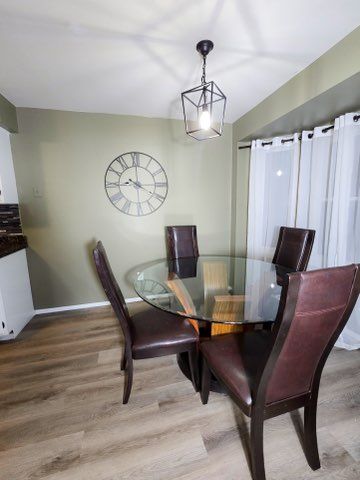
<point x="204" y="106"/>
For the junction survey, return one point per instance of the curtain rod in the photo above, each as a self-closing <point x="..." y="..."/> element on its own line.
<point x="284" y="140"/>
<point x="356" y="118"/>
<point x="326" y="129"/>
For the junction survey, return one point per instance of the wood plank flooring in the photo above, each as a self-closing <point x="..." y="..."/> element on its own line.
<point x="61" y="416"/>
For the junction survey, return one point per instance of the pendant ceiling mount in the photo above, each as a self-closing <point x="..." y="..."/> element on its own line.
<point x="204" y="47"/>
<point x="204" y="105"/>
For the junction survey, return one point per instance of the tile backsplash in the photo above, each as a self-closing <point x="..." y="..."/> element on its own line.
<point x="10" y="222"/>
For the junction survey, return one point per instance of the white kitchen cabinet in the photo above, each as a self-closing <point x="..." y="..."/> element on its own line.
<point x="16" y="305"/>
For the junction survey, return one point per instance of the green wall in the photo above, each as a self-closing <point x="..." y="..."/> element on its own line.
<point x="8" y="118"/>
<point x="240" y="181"/>
<point x="64" y="155"/>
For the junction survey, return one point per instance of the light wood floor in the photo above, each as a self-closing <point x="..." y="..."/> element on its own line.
<point x="62" y="416"/>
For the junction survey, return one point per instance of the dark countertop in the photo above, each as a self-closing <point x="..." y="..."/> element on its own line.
<point x="12" y="243"/>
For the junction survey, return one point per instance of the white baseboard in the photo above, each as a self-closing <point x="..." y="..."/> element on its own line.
<point x="65" y="308"/>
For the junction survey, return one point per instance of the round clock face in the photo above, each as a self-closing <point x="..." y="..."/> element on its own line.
<point x="136" y="183"/>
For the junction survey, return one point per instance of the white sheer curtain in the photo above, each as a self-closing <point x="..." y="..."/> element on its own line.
<point x="314" y="190"/>
<point x="329" y="201"/>
<point x="273" y="181"/>
<point x="319" y="190"/>
<point x="272" y="193"/>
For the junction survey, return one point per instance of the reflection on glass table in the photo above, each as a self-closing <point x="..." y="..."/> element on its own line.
<point x="220" y="290"/>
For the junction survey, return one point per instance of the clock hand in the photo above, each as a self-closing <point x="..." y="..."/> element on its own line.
<point x="140" y="186"/>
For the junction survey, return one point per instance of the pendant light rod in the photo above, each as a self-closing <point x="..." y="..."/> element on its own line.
<point x="204" y="47"/>
<point x="203" y="76"/>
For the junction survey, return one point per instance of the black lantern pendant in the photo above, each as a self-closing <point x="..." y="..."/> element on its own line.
<point x="204" y="106"/>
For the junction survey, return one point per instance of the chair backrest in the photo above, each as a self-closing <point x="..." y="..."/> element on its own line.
<point x="181" y="241"/>
<point x="183" y="267"/>
<point x="294" y="247"/>
<point x="112" y="290"/>
<point x="314" y="309"/>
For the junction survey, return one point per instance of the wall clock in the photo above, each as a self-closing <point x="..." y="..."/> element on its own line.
<point x="136" y="184"/>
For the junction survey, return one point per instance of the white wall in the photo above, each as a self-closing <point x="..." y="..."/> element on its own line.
<point x="7" y="175"/>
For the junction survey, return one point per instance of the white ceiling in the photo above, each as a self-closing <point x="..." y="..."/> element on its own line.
<point x="135" y="57"/>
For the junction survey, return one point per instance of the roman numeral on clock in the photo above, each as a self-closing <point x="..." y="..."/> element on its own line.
<point x="112" y="185"/>
<point x="159" y="197"/>
<point x="122" y="162"/>
<point x="135" y="159"/>
<point x="111" y="169"/>
<point x="116" y="197"/>
<point x="151" y="208"/>
<point x="126" y="207"/>
<point x="139" y="209"/>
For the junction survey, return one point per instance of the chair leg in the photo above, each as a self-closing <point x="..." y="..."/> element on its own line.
<point x="310" y="436"/>
<point x="123" y="361"/>
<point x="128" y="380"/>
<point x="194" y="368"/>
<point x="257" y="446"/>
<point x="205" y="381"/>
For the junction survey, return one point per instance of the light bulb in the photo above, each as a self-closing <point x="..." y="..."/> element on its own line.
<point x="205" y="120"/>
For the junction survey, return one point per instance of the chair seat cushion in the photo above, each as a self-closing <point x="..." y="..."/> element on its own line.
<point x="235" y="360"/>
<point x="156" y="333"/>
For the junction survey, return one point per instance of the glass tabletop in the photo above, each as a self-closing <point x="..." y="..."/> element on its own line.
<point x="220" y="289"/>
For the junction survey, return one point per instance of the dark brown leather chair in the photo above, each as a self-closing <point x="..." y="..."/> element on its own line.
<point x="293" y="248"/>
<point x="270" y="373"/>
<point x="181" y="241"/>
<point x="183" y="267"/>
<point x="150" y="333"/>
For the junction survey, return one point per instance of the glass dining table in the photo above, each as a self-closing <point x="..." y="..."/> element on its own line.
<point x="218" y="294"/>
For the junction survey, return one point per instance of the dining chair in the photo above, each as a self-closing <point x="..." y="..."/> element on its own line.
<point x="148" y="334"/>
<point x="268" y="373"/>
<point x="181" y="241"/>
<point x="293" y="248"/>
